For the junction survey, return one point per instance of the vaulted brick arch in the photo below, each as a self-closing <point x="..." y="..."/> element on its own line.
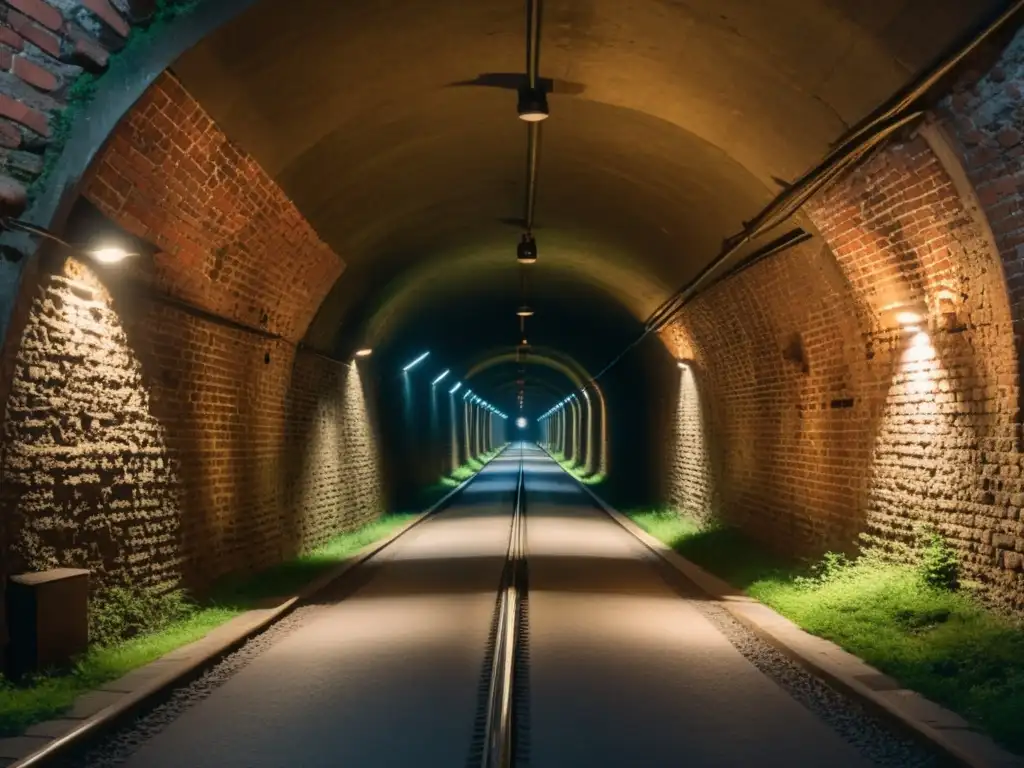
<point x="284" y="232"/>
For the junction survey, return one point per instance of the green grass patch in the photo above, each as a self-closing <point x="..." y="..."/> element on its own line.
<point x="286" y="578"/>
<point x="940" y="642"/>
<point x="48" y="696"/>
<point x="578" y="470"/>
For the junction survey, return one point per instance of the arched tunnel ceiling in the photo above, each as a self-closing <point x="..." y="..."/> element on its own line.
<point x="690" y="113"/>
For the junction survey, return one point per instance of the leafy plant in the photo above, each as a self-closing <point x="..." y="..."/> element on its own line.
<point x="939" y="565"/>
<point x="831" y="567"/>
<point x="120" y="613"/>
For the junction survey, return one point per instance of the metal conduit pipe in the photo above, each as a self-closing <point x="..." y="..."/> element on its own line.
<point x="878" y="126"/>
<point x="533" y="17"/>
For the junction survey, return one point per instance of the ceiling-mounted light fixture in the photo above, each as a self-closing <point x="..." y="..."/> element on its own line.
<point x="525" y="311"/>
<point x="364" y="352"/>
<point x="455" y="389"/>
<point x="440" y="378"/>
<point x="526" y="251"/>
<point x="533" y="105"/>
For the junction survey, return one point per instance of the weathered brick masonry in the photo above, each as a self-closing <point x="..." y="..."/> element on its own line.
<point x="834" y="416"/>
<point x="143" y="439"/>
<point x="45" y="45"/>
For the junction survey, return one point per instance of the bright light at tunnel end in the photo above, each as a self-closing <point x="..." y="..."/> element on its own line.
<point x="521" y="422"/>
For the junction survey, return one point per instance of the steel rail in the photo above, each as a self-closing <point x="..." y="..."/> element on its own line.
<point x="498" y="749"/>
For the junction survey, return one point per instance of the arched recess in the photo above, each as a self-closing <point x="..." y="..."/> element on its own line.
<point x="594" y="436"/>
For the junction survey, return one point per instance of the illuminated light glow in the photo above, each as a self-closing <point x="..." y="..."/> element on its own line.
<point x="110" y="255"/>
<point x="908" y="318"/>
<point x="416" y="362"/>
<point x="521" y="422"/>
<point x="440" y="378"/>
<point x="682" y="365"/>
<point x="364" y="353"/>
<point x="455" y="389"/>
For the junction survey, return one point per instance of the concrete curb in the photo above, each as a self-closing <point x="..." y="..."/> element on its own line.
<point x="921" y="718"/>
<point x="99" y="711"/>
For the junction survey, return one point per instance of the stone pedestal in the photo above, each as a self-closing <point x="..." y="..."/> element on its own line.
<point x="47" y="619"/>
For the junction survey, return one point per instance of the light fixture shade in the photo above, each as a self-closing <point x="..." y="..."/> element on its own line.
<point x="533" y="105"/>
<point x="526" y="251"/>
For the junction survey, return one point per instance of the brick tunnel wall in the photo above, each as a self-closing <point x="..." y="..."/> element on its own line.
<point x="162" y="422"/>
<point x="815" y="419"/>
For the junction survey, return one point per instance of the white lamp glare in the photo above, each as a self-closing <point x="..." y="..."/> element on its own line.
<point x="416" y="362"/>
<point x="521" y="422"/>
<point x="440" y="378"/>
<point x="455" y="389"/>
<point x="110" y="254"/>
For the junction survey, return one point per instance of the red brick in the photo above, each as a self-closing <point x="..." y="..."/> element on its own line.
<point x="34" y="75"/>
<point x="27" y="116"/>
<point x="32" y="32"/>
<point x="11" y="38"/>
<point x="6" y="59"/>
<point x="10" y="135"/>
<point x="92" y="50"/>
<point x="42" y="12"/>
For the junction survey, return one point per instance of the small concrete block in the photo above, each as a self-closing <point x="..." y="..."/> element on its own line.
<point x="88" y="704"/>
<point x="18" y="747"/>
<point x="53" y="729"/>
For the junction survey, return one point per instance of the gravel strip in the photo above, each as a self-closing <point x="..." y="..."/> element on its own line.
<point x="874" y="738"/>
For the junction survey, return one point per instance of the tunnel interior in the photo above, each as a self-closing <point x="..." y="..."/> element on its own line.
<point x="313" y="213"/>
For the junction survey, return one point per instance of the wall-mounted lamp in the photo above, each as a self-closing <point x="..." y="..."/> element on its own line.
<point x="364" y="353"/>
<point x="415" y="362"/>
<point x="104" y="254"/>
<point x="908" y="319"/>
<point x="110" y="255"/>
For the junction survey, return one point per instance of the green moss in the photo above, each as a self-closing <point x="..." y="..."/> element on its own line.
<point x="941" y="643"/>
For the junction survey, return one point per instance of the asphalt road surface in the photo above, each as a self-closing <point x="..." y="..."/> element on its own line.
<point x="386" y="669"/>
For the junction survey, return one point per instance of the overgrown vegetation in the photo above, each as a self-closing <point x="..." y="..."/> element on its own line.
<point x="119" y="613"/>
<point x="910" y="621"/>
<point x="155" y="624"/>
<point x="578" y="470"/>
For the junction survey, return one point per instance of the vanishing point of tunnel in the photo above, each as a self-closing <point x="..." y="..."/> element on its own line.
<point x="403" y="334"/>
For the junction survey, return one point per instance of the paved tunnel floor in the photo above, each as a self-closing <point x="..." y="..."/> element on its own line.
<point x="385" y="669"/>
<point x="623" y="672"/>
